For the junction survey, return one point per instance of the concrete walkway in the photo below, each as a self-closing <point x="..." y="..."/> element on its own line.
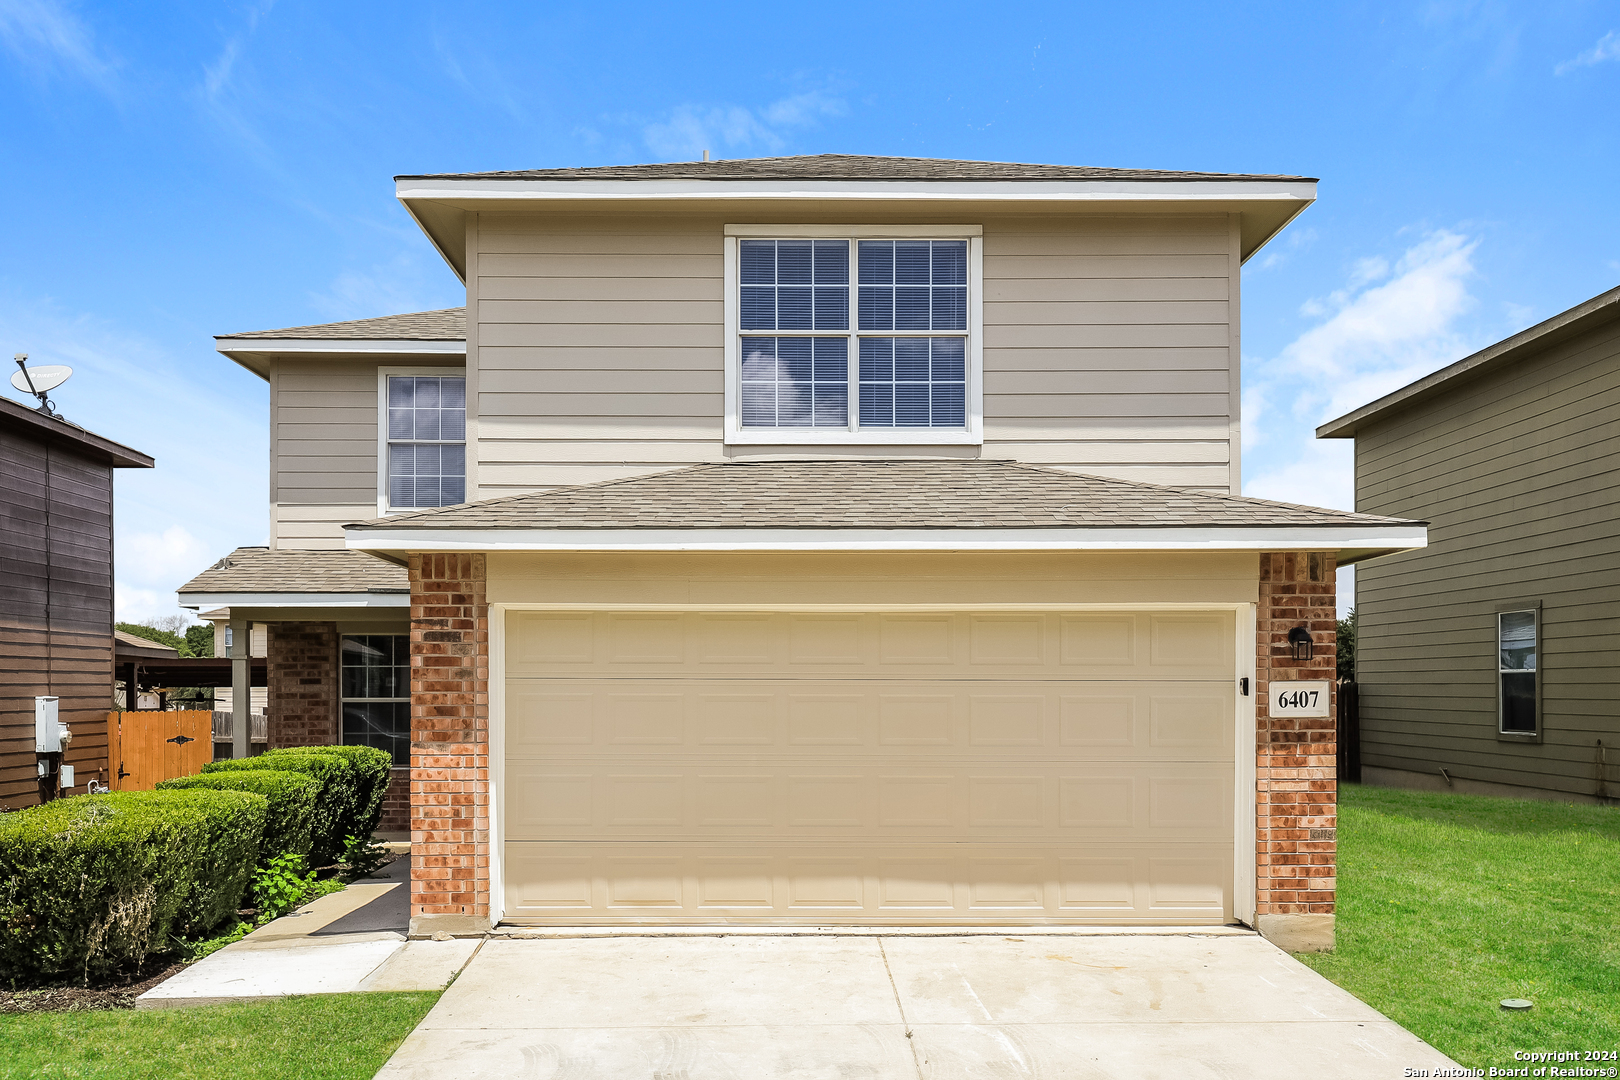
<point x="1021" y="1004"/>
<point x="349" y="941"/>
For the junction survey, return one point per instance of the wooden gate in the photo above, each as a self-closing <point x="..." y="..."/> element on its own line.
<point x="147" y="746"/>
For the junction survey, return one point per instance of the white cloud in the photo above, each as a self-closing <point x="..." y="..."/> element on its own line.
<point x="1391" y="322"/>
<point x="44" y="35"/>
<point x="1374" y="338"/>
<point x="691" y="129"/>
<point x="1607" y="48"/>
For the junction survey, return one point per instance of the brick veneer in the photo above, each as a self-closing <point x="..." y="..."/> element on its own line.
<point x="449" y="744"/>
<point x="1295" y="768"/>
<point x="301" y="670"/>
<point x="396" y="809"/>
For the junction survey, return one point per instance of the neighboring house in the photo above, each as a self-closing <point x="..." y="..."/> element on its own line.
<point x="131" y="653"/>
<point x="846" y="540"/>
<point x="56" y="590"/>
<point x="1486" y="662"/>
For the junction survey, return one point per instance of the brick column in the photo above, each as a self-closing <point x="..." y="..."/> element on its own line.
<point x="1296" y="781"/>
<point x="301" y="671"/>
<point x="449" y="745"/>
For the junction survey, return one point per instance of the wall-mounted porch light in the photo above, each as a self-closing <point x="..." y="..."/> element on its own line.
<point x="1300" y="639"/>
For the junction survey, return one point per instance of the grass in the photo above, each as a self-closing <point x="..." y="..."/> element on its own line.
<point x="1449" y="903"/>
<point x="326" y="1037"/>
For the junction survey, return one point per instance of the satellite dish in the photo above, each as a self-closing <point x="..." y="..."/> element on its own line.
<point x="45" y="378"/>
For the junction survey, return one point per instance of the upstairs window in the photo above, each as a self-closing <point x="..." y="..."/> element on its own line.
<point x="863" y="337"/>
<point x="426" y="429"/>
<point x="1517" y="635"/>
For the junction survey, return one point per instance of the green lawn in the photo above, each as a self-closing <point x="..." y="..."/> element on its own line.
<point x="327" y="1037"/>
<point x="1450" y="903"/>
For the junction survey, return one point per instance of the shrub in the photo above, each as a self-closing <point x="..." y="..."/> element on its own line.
<point x="334" y="802"/>
<point x="372" y="773"/>
<point x="93" y="885"/>
<point x="291" y="810"/>
<point x="281" y="886"/>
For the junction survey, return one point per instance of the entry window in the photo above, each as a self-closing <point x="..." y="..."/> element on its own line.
<point x="1516" y="639"/>
<point x="376" y="678"/>
<point x="849" y="339"/>
<point x="427" y="441"/>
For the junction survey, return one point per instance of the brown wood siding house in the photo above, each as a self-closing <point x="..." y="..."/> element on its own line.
<point x="1487" y="662"/>
<point x="56" y="589"/>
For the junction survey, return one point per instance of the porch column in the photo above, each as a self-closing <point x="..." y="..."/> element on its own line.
<point x="240" y="652"/>
<point x="1296" y="766"/>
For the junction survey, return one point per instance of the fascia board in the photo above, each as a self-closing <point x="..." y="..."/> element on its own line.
<point x="197" y="601"/>
<point x="1299" y="538"/>
<point x="989" y="190"/>
<point x="260" y="346"/>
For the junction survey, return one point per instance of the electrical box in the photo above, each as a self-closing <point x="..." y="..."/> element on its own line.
<point x="47" y="728"/>
<point x="67" y="777"/>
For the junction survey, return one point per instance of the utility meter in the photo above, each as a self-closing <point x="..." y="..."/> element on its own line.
<point x="47" y="728"/>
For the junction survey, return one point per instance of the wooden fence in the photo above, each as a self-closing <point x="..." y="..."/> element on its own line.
<point x="147" y="746"/>
<point x="1349" y="735"/>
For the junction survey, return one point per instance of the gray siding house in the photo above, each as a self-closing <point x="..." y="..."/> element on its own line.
<point x="1489" y="662"/>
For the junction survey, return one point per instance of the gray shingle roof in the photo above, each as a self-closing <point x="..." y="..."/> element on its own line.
<point x="847" y="167"/>
<point x="447" y="324"/>
<point x="870" y="495"/>
<point x="261" y="570"/>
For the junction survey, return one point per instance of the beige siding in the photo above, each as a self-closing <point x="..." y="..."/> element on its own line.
<point x="1515" y="471"/>
<point x="323" y="448"/>
<point x="1108" y="345"/>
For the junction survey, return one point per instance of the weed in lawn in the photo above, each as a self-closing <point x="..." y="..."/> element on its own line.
<point x="1448" y="904"/>
<point x="329" y="1037"/>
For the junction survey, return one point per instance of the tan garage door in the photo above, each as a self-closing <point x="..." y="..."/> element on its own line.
<point x="868" y="768"/>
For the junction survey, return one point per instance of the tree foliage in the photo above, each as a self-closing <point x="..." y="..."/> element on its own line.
<point x="1347" y="646"/>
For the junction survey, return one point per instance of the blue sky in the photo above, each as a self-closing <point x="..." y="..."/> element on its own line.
<point x="173" y="171"/>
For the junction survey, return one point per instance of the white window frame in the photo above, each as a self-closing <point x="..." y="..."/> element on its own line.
<point x="383" y="374"/>
<point x="854" y="434"/>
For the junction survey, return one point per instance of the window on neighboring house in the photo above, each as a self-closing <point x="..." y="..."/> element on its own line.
<point x="853" y="339"/>
<point x="1516" y="640"/>
<point x="427" y="440"/>
<point x="376" y="684"/>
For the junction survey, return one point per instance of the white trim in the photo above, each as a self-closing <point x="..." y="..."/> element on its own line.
<point x="383" y="375"/>
<point x="496" y="763"/>
<point x="859" y="232"/>
<point x="335" y="345"/>
<point x="1245" y="807"/>
<point x="197" y="601"/>
<point x="865" y="190"/>
<point x="1295" y="538"/>
<point x="854" y="435"/>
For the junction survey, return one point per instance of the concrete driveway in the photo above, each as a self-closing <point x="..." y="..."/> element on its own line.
<point x="1016" y="1004"/>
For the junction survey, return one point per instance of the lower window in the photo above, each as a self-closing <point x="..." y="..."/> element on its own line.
<point x="376" y="682"/>
<point x="1516" y="634"/>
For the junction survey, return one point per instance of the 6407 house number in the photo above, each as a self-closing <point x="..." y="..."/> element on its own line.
<point x="1299" y="698"/>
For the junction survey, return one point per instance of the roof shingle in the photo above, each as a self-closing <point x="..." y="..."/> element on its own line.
<point x="261" y="570"/>
<point x="870" y="495"/>
<point x="849" y="167"/>
<point x="446" y="324"/>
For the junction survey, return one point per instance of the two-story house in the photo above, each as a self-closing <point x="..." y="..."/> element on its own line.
<point x="816" y="540"/>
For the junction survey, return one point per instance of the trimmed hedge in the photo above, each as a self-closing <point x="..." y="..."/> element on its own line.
<point x="372" y="772"/>
<point x="291" y="810"/>
<point x="94" y="884"/>
<point x="335" y="802"/>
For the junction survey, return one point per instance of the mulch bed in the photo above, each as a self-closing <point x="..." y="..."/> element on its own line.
<point x="111" y="994"/>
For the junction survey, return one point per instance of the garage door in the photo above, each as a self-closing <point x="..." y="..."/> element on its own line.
<point x="869" y="768"/>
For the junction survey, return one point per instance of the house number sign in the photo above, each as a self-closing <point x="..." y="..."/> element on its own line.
<point x="1299" y="698"/>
